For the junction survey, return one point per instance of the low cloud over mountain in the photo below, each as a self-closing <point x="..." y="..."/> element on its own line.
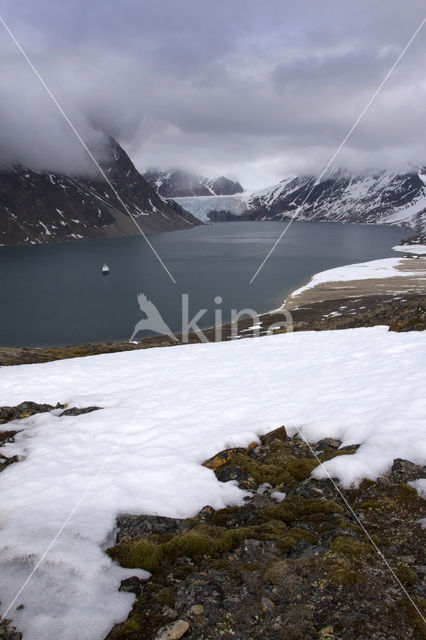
<point x="257" y="90"/>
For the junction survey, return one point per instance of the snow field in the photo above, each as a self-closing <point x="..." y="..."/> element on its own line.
<point x="164" y="412"/>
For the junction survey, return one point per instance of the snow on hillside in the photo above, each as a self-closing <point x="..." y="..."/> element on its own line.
<point x="419" y="249"/>
<point x="177" y="183"/>
<point x="384" y="197"/>
<point x="166" y="410"/>
<point x="386" y="268"/>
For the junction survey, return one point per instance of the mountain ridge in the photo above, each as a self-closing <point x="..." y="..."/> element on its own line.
<point x="382" y="197"/>
<point x="176" y="183"/>
<point x="43" y="206"/>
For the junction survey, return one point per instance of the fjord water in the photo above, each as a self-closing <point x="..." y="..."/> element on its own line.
<point x="55" y="293"/>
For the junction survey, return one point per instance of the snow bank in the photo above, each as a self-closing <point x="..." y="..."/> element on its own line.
<point x="420" y="487"/>
<point x="386" y="268"/>
<point x="165" y="411"/>
<point x="411" y="248"/>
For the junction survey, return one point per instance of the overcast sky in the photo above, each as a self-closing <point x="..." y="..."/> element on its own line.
<point x="253" y="89"/>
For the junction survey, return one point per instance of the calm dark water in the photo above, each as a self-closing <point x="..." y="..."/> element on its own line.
<point x="56" y="294"/>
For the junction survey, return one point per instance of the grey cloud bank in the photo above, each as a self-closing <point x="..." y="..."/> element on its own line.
<point x="249" y="89"/>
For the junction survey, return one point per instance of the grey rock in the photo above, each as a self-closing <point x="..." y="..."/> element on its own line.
<point x="276" y="434"/>
<point x="328" y="536"/>
<point x="228" y="472"/>
<point x="131" y="585"/>
<point x="267" y="604"/>
<point x="135" y="526"/>
<point x="262" y="501"/>
<point x="76" y="411"/>
<point x="172" y="631"/>
<point x="5" y="462"/>
<point x="24" y="410"/>
<point x="201" y="589"/>
<point x="328" y="443"/>
<point x="406" y="471"/>
<point x="254" y="550"/>
<point x="307" y="551"/>
<point x="196" y="610"/>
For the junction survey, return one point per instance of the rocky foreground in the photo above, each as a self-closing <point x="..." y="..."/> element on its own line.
<point x="300" y="559"/>
<point x="293" y="562"/>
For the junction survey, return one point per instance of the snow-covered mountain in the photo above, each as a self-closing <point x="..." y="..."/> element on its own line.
<point x="382" y="197"/>
<point x="37" y="207"/>
<point x="177" y="183"/>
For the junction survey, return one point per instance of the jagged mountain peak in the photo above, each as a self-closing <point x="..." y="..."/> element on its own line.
<point x="37" y="207"/>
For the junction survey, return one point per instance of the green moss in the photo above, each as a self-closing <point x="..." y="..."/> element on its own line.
<point x="405" y="492"/>
<point x="131" y="626"/>
<point x="346" y="576"/>
<point x="350" y="547"/>
<point x="165" y="597"/>
<point x="222" y="516"/>
<point x="375" y="503"/>
<point x="298" y="508"/>
<point x="395" y="497"/>
<point x="404" y="610"/>
<point x="280" y="467"/>
<point x="137" y="553"/>
<point x="202" y="540"/>
<point x="129" y="629"/>
<point x="407" y="575"/>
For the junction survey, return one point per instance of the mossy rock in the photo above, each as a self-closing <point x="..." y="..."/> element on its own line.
<point x="405" y="609"/>
<point x="279" y="467"/>
<point x="222" y="458"/>
<point x="149" y="552"/>
<point x="407" y="575"/>
<point x="130" y="628"/>
<point x="203" y="540"/>
<point x="350" y="547"/>
<point x="393" y="498"/>
<point x="296" y="508"/>
<point x="344" y="572"/>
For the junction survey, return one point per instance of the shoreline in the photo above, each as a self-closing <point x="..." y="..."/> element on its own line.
<point x="400" y="314"/>
<point x="411" y="230"/>
<point x="323" y="303"/>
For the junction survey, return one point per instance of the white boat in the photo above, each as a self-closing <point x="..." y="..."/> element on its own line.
<point x="105" y="269"/>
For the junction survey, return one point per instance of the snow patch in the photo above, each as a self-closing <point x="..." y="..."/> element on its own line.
<point x="420" y="487"/>
<point x="164" y="412"/>
<point x="386" y="268"/>
<point x="411" y="248"/>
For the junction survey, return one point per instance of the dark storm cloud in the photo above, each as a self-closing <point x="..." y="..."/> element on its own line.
<point x="258" y="90"/>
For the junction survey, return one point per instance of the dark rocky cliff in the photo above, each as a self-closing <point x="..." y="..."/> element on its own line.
<point x="38" y="207"/>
